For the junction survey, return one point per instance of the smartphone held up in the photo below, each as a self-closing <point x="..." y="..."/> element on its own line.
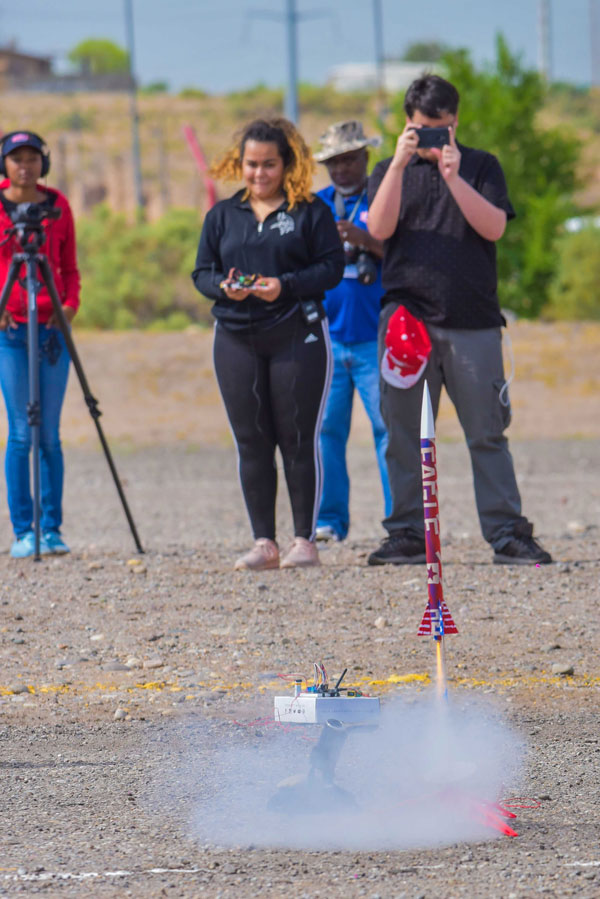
<point x="433" y="137"/>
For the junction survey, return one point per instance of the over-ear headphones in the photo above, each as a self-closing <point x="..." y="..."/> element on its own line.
<point x="16" y="139"/>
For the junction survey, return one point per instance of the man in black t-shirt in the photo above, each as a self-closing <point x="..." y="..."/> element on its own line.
<point x="440" y="212"/>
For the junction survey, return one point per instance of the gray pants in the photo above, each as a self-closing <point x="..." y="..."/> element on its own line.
<point x="469" y="365"/>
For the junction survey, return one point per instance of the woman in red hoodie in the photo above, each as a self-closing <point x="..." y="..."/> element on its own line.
<point x="24" y="160"/>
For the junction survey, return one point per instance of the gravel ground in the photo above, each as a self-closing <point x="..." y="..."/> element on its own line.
<point x="179" y="648"/>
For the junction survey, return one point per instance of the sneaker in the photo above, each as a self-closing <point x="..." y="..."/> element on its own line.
<point x="53" y="544"/>
<point x="325" y="533"/>
<point x="302" y="554"/>
<point x="522" y="548"/>
<point x="263" y="555"/>
<point x="23" y="546"/>
<point x="400" y="548"/>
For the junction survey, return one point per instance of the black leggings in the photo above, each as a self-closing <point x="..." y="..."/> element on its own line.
<point x="274" y="384"/>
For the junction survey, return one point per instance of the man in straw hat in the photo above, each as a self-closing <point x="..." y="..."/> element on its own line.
<point x="353" y="312"/>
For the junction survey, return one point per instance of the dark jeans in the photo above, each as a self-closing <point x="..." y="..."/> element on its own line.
<point x="469" y="365"/>
<point x="274" y="385"/>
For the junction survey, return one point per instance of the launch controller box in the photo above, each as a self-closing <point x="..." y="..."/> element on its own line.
<point x="314" y="708"/>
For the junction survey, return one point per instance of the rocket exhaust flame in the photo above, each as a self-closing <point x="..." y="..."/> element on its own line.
<point x="442" y="689"/>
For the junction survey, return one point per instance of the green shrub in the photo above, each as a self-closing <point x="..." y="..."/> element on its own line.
<point x="155" y="87"/>
<point x="259" y="100"/>
<point x="174" y="321"/>
<point x="193" y="93"/>
<point x="99" y="56"/>
<point x="575" y="289"/>
<point x="138" y="276"/>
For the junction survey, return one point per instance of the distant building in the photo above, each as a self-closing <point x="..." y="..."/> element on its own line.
<point x="362" y="76"/>
<point x="17" y="68"/>
<point x="26" y="72"/>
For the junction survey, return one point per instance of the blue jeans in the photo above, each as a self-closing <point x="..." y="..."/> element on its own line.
<point x="14" y="381"/>
<point x="355" y="365"/>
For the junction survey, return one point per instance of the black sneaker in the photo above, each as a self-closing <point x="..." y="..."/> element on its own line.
<point x="522" y="548"/>
<point x="401" y="548"/>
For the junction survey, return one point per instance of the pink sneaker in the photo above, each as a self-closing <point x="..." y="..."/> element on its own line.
<point x="301" y="554"/>
<point x="264" y="554"/>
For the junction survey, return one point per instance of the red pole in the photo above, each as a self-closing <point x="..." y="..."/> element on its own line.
<point x="198" y="154"/>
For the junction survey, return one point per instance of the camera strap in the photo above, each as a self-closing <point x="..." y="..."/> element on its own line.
<point x="350" y="270"/>
<point x="340" y="206"/>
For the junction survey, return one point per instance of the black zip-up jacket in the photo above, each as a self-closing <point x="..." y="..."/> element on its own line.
<point x="300" y="246"/>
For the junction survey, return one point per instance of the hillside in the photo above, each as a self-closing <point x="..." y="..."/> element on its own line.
<point x="578" y="110"/>
<point x="90" y="137"/>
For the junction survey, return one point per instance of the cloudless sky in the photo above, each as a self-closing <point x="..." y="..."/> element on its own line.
<point x="221" y="45"/>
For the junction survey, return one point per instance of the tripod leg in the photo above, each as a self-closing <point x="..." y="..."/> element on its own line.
<point x="13" y="274"/>
<point x="33" y="408"/>
<point x="91" y="401"/>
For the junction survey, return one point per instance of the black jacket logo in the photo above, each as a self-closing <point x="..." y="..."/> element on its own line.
<point x="284" y="223"/>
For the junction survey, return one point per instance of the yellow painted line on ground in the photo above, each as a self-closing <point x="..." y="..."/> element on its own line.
<point x="382" y="685"/>
<point x="157" y="686"/>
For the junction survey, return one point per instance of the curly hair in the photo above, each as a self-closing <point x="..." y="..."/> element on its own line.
<point x="297" y="158"/>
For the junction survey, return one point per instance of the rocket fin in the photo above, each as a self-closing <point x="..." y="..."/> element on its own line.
<point x="449" y="626"/>
<point x="501" y="810"/>
<point x="426" y="627"/>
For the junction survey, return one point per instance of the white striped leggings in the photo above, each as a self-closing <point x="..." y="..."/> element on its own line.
<point x="274" y="384"/>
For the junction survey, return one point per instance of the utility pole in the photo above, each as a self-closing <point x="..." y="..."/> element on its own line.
<point x="545" y="39"/>
<point x="291" y="18"/>
<point x="133" y="111"/>
<point x="379" y="58"/>
<point x="291" y="95"/>
<point x="594" y="21"/>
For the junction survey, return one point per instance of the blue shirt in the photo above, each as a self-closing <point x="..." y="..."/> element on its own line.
<point x="352" y="308"/>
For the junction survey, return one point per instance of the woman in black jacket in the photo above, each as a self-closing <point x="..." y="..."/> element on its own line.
<point x="266" y="257"/>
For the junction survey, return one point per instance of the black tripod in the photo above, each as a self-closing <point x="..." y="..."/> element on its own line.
<point x="28" y="228"/>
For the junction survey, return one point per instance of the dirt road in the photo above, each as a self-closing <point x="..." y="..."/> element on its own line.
<point x="186" y="653"/>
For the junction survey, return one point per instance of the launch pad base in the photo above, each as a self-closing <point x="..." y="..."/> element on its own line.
<point x="314" y="708"/>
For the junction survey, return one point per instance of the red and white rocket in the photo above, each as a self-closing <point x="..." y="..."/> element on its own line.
<point x="437" y="620"/>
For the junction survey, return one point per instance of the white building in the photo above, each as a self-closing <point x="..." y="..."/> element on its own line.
<point x="362" y="76"/>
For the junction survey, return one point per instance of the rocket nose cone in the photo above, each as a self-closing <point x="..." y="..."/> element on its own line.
<point x="427" y="423"/>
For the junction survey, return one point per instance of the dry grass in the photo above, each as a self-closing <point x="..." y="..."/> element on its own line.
<point x="90" y="139"/>
<point x="556" y="391"/>
<point x="159" y="389"/>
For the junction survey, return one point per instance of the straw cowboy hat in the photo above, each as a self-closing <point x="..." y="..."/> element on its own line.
<point x="343" y="137"/>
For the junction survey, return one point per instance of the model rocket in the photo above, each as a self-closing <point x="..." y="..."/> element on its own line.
<point x="437" y="620"/>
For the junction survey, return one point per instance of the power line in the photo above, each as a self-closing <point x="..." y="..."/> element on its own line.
<point x="291" y="17"/>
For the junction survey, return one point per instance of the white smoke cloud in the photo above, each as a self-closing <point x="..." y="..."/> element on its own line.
<point x="415" y="780"/>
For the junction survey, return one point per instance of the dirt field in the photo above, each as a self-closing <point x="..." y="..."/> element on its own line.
<point x="121" y="685"/>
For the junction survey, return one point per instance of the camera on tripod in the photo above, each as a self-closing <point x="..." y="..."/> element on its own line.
<point x="366" y="266"/>
<point x="28" y="219"/>
<point x="33" y="214"/>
